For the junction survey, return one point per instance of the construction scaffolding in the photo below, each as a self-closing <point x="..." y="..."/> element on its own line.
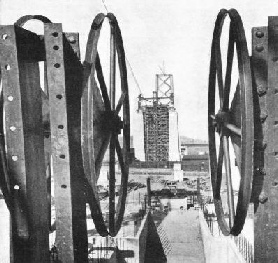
<point x="156" y="133"/>
<point x="155" y="112"/>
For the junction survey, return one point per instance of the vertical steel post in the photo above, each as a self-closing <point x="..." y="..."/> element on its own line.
<point x="260" y="70"/>
<point x="64" y="74"/>
<point x="149" y="192"/>
<point x="113" y="135"/>
<point x="25" y="145"/>
<point x="265" y="58"/>
<point x="271" y="154"/>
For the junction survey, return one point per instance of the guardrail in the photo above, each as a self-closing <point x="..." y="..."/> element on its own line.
<point x="243" y="245"/>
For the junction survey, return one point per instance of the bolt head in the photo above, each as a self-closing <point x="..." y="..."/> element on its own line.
<point x="261" y="90"/>
<point x="263" y="198"/>
<point x="71" y="39"/>
<point x="259" y="48"/>
<point x="259" y="34"/>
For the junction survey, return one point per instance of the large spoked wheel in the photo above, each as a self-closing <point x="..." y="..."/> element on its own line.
<point x="233" y="120"/>
<point x="101" y="124"/>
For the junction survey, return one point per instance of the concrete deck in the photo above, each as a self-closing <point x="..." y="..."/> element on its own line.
<point x="183" y="231"/>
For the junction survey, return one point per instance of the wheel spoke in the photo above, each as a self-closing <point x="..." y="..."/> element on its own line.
<point x="219" y="169"/>
<point x="236" y="141"/>
<point x="119" y="154"/>
<point x="120" y="103"/>
<point x="229" y="181"/>
<point x="233" y="128"/>
<point x="102" y="84"/>
<point x="112" y="68"/>
<point x="123" y="190"/>
<point x="230" y="56"/>
<point x="218" y="63"/>
<point x="96" y="213"/>
<point x="112" y="184"/>
<point x="235" y="110"/>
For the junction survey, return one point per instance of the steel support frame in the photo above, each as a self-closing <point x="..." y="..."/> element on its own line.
<point x="165" y="88"/>
<point x="20" y="52"/>
<point x="265" y="193"/>
<point x="28" y="144"/>
<point x="64" y="74"/>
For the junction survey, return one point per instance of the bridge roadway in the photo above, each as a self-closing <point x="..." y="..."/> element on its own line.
<point x="183" y="232"/>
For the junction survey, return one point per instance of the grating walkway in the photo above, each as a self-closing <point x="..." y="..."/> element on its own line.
<point x="183" y="232"/>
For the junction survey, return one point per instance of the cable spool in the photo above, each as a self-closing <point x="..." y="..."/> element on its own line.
<point x="107" y="125"/>
<point x="233" y="121"/>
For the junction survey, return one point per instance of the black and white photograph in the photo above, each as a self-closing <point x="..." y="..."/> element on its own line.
<point x="138" y="131"/>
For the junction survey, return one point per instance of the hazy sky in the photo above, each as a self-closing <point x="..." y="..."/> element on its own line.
<point x="177" y="32"/>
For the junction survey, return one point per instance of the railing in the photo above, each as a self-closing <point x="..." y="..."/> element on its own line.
<point x="164" y="240"/>
<point x="244" y="246"/>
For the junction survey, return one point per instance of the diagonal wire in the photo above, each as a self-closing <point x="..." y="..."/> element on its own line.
<point x="103" y="2"/>
<point x="130" y="67"/>
<point x="133" y="75"/>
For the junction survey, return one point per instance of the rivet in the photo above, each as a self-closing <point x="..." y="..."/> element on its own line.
<point x="16" y="187"/>
<point x="259" y="48"/>
<point x="263" y="117"/>
<point x="259" y="34"/>
<point x="71" y="39"/>
<point x="264" y="145"/>
<point x="14" y="158"/>
<point x="263" y="198"/>
<point x="261" y="90"/>
<point x="10" y="98"/>
<point x="12" y="128"/>
<point x="260" y="170"/>
<point x="7" y="67"/>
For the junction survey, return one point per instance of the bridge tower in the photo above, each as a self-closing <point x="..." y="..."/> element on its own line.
<point x="160" y="123"/>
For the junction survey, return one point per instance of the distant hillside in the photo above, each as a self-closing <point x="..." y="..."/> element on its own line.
<point x="186" y="140"/>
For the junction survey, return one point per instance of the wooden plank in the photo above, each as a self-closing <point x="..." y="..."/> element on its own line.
<point x="25" y="151"/>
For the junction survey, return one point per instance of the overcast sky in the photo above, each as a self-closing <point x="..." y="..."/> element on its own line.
<point x="177" y="33"/>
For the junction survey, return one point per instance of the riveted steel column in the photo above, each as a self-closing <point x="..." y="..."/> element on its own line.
<point x="271" y="155"/>
<point x="59" y="141"/>
<point x="260" y="70"/>
<point x="266" y="215"/>
<point x="64" y="74"/>
<point x="74" y="78"/>
<point x="25" y="146"/>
